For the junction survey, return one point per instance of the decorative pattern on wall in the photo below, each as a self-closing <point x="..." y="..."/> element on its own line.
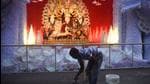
<point x="65" y="21"/>
<point x="144" y="18"/>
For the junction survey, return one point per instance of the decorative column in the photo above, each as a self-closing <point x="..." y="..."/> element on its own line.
<point x="129" y="29"/>
<point x="23" y="19"/>
<point x="117" y="16"/>
<point x="144" y="26"/>
<point x="13" y="19"/>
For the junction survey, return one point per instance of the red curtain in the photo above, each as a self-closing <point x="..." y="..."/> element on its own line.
<point x="100" y="17"/>
<point x="34" y="16"/>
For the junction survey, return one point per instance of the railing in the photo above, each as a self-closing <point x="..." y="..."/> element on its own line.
<point x="56" y="58"/>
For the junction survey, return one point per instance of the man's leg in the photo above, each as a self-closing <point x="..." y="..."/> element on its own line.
<point x="88" y="70"/>
<point x="93" y="69"/>
<point x="92" y="72"/>
<point x="95" y="72"/>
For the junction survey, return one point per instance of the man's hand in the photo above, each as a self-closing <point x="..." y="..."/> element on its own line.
<point x="81" y="62"/>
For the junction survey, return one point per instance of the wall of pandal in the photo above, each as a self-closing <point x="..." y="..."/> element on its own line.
<point x="56" y="58"/>
<point x="132" y="19"/>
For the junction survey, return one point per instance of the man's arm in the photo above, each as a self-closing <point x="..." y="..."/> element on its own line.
<point x="81" y="62"/>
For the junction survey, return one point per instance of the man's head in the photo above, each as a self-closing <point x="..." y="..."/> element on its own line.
<point x="74" y="52"/>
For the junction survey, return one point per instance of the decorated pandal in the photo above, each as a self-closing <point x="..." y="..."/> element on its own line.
<point x="65" y="22"/>
<point x="68" y="22"/>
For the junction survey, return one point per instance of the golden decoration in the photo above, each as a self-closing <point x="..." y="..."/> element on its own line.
<point x="63" y="19"/>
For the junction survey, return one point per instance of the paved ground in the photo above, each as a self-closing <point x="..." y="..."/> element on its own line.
<point x="127" y="76"/>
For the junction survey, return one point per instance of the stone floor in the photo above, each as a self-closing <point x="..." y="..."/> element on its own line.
<point x="127" y="76"/>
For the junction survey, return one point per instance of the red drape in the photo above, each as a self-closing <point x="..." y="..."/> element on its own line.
<point x="100" y="17"/>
